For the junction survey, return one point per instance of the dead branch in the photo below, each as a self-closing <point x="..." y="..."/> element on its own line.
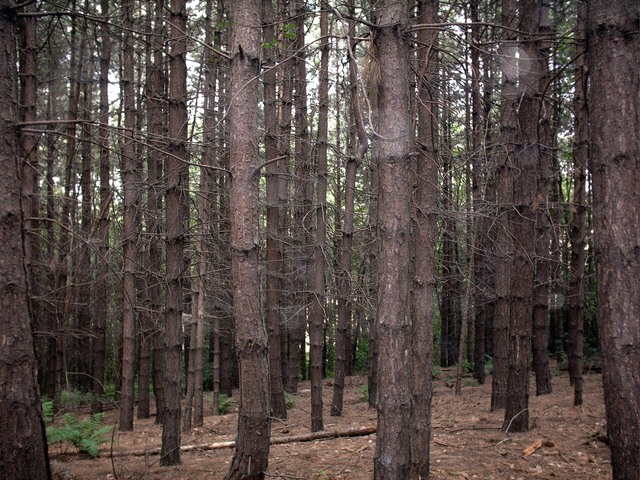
<point x="306" y="437"/>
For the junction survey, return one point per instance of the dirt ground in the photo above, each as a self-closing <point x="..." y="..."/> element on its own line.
<point x="467" y="441"/>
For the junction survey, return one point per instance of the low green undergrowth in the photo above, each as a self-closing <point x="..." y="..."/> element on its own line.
<point x="86" y="435"/>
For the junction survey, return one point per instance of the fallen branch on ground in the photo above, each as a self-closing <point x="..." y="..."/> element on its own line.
<point x="306" y="437"/>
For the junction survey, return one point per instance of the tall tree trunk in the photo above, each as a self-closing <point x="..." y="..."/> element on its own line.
<point x="293" y="330"/>
<point x="346" y="241"/>
<point x="28" y="50"/>
<point x="392" y="457"/>
<point x="254" y="428"/>
<point x="304" y="190"/>
<point x="614" y="107"/>
<point x="102" y="280"/>
<point x="156" y="127"/>
<point x="23" y="442"/>
<point x="176" y="174"/>
<point x="317" y="307"/>
<point x="528" y="159"/>
<point x="130" y="184"/>
<point x="84" y="279"/>
<point x="542" y="212"/>
<point x="476" y="188"/>
<point x="577" y="232"/>
<point x="425" y="238"/>
<point x="274" y="208"/>
<point x="504" y="241"/>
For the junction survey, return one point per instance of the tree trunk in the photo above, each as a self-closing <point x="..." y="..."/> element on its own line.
<point x="274" y="208"/>
<point x="424" y="239"/>
<point x="392" y="457"/>
<point x="614" y="107"/>
<point x="504" y="241"/>
<point x="343" y="329"/>
<point x="102" y="281"/>
<point x="156" y="126"/>
<point x="252" y="444"/>
<point x="176" y="173"/>
<point x="577" y="232"/>
<point x="130" y="184"/>
<point x="23" y="442"/>
<point x="541" y="210"/>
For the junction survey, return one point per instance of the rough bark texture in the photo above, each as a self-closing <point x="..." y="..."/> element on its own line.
<point x="504" y="240"/>
<point x="130" y="185"/>
<point x="541" y="136"/>
<point x="23" y="443"/>
<point x="577" y="233"/>
<point x="614" y="106"/>
<point x="252" y="451"/>
<point x="102" y="284"/>
<point x="343" y="329"/>
<point x="425" y="239"/>
<point x="392" y="457"/>
<point x="274" y="211"/>
<point x="176" y="170"/>
<point x="156" y="125"/>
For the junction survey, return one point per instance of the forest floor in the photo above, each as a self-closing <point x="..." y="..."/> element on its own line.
<point x="467" y="440"/>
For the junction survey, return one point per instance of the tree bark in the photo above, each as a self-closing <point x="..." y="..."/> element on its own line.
<point x="156" y="126"/>
<point x="614" y="107"/>
<point x="130" y="184"/>
<point x="423" y="288"/>
<point x="176" y="174"/>
<point x="23" y="442"/>
<point x="504" y="240"/>
<point x="392" y="457"/>
<point x="252" y="444"/>
<point x="274" y="211"/>
<point x="343" y="329"/>
<point x="577" y="232"/>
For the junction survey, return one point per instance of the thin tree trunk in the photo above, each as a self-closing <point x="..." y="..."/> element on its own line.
<point x="102" y="280"/>
<point x="479" y="288"/>
<point x="130" y="184"/>
<point x="317" y="307"/>
<point x="542" y="212"/>
<point x="577" y="232"/>
<point x="274" y="207"/>
<point x="156" y="126"/>
<point x="176" y="174"/>
<point x="346" y="241"/>
<point x="424" y="236"/>
<point x="304" y="215"/>
<point x="504" y="241"/>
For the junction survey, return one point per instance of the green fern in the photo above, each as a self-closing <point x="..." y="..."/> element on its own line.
<point x="86" y="435"/>
<point x="47" y="411"/>
<point x="226" y="403"/>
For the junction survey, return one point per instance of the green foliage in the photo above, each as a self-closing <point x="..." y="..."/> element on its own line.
<point x="86" y="435"/>
<point x="289" y="30"/>
<point x="47" y="410"/>
<point x="289" y="400"/>
<point x="471" y="383"/>
<point x="70" y="399"/>
<point x="468" y="367"/>
<point x="437" y="370"/>
<point x="362" y="355"/>
<point x="364" y="390"/>
<point x="226" y="404"/>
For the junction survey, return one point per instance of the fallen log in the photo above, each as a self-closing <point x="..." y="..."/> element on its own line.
<point x="305" y="437"/>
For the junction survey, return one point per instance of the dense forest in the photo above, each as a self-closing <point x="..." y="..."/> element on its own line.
<point x="207" y="197"/>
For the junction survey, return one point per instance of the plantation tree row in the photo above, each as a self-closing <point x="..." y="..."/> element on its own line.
<point x="213" y="195"/>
